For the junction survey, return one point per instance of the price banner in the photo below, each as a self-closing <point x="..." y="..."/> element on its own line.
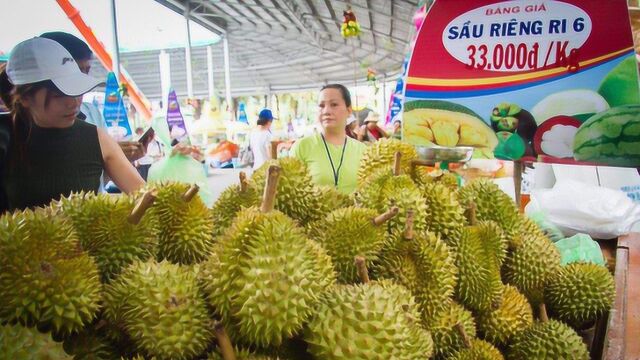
<point x="553" y="81"/>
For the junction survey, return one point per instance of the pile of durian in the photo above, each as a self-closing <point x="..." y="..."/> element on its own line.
<point x="409" y="267"/>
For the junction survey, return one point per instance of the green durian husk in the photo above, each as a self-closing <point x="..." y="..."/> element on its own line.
<point x="479" y="350"/>
<point x="381" y="154"/>
<point x="376" y="321"/>
<point x="46" y="279"/>
<point x="91" y="344"/>
<point x="231" y="201"/>
<point x="579" y="293"/>
<point x="26" y="343"/>
<point x="442" y="326"/>
<point x="421" y="176"/>
<point x="551" y="340"/>
<point x="500" y="325"/>
<point x="443" y="212"/>
<point x="491" y="204"/>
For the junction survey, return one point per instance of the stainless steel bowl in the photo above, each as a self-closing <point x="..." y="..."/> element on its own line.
<point x="457" y="154"/>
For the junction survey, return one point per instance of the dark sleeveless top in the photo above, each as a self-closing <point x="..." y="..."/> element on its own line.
<point x="58" y="162"/>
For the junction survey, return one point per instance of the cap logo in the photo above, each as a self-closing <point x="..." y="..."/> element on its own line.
<point x="66" y="59"/>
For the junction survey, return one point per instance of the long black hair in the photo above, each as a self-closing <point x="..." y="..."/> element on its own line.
<point x="346" y="96"/>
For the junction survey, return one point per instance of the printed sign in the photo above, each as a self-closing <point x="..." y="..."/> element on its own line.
<point x="242" y="113"/>
<point x="545" y="80"/>
<point x="114" y="112"/>
<point x="175" y="121"/>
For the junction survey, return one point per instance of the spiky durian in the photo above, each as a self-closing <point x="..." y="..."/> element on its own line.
<point x="580" y="292"/>
<point x="185" y="226"/>
<point x="108" y="232"/>
<point x="231" y="201"/>
<point x="530" y="264"/>
<point x="46" y="279"/>
<point x="160" y="307"/>
<point x="296" y="193"/>
<point x="443" y="212"/>
<point x="90" y="344"/>
<point x="349" y="232"/>
<point x="478" y="350"/>
<point x="422" y="175"/>
<point x="492" y="204"/>
<point x="265" y="275"/>
<point x="551" y="340"/>
<point x="381" y="154"/>
<point x="447" y="339"/>
<point x="368" y="321"/>
<point x="514" y="314"/>
<point x="21" y="343"/>
<point x="331" y="199"/>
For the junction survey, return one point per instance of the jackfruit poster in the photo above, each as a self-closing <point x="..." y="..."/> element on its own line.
<point x="538" y="80"/>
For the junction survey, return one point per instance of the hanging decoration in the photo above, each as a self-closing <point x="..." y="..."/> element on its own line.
<point x="371" y="79"/>
<point x="350" y="26"/>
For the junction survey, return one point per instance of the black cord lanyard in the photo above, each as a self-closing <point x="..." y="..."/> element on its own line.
<point x="336" y="174"/>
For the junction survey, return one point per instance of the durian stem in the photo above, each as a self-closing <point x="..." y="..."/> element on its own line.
<point x="408" y="227"/>
<point x="361" y="265"/>
<point x="396" y="163"/>
<point x="190" y="193"/>
<point x="542" y="308"/>
<point x="382" y="218"/>
<point x="141" y="207"/>
<point x="224" y="342"/>
<point x="269" y="195"/>
<point x="244" y="185"/>
<point x="465" y="337"/>
<point x="471" y="213"/>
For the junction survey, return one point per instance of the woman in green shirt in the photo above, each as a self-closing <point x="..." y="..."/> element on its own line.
<point x="333" y="158"/>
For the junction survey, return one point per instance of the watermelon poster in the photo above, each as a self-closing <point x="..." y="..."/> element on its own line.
<point x="539" y="80"/>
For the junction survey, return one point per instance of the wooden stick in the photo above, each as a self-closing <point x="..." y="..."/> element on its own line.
<point x="472" y="213"/>
<point x="465" y="337"/>
<point x="148" y="198"/>
<point x="190" y="193"/>
<point x="270" y="188"/>
<point x="382" y="218"/>
<point x="518" y="167"/>
<point x="362" y="269"/>
<point x="408" y="227"/>
<point x="396" y="163"/>
<point x="543" y="313"/>
<point x="244" y="184"/>
<point x="224" y="342"/>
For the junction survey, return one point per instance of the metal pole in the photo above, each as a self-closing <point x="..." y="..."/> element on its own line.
<point x="187" y="53"/>
<point x="385" y="106"/>
<point x="210" y="72"/>
<point x="116" y="46"/>
<point x="227" y="71"/>
<point x="165" y="75"/>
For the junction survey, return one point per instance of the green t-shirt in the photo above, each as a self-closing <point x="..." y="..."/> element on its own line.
<point x="311" y="151"/>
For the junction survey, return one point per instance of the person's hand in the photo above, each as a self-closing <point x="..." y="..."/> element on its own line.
<point x="133" y="150"/>
<point x="188" y="150"/>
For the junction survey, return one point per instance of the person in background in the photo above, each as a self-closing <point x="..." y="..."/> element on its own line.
<point x="144" y="163"/>
<point x="50" y="153"/>
<point x="332" y="157"/>
<point x="260" y="139"/>
<point x="370" y="131"/>
<point x="352" y="125"/>
<point x="397" y="129"/>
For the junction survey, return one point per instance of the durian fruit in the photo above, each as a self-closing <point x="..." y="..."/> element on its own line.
<point x="386" y="188"/>
<point x="349" y="232"/>
<point x="24" y="343"/>
<point x="231" y="201"/>
<point x="331" y="199"/>
<point x="492" y="204"/>
<point x="579" y="293"/>
<point x="110" y="231"/>
<point x="500" y="325"/>
<point x="444" y="214"/>
<point x="90" y="344"/>
<point x="381" y="154"/>
<point x="265" y="276"/>
<point x="184" y="223"/>
<point x="446" y="337"/>
<point x="494" y="242"/>
<point x="225" y="350"/>
<point x="296" y="192"/>
<point x="530" y="264"/>
<point x="423" y="175"/>
<point x="160" y="307"/>
<point x="46" y="279"/>
<point x="422" y="263"/>
<point x="547" y="340"/>
<point x="477" y="350"/>
<point x="373" y="320"/>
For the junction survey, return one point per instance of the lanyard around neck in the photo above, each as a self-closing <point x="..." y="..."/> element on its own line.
<point x="336" y="174"/>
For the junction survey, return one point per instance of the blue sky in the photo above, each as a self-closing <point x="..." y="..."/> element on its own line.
<point x="161" y="28"/>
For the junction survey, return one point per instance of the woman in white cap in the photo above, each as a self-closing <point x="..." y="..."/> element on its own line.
<point x="370" y="131"/>
<point x="332" y="157"/>
<point x="50" y="154"/>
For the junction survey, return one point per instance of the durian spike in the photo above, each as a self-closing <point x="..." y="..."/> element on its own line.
<point x="396" y="163"/>
<point x="270" y="187"/>
<point x="471" y="213"/>
<point x="357" y="199"/>
<point x="224" y="342"/>
<point x="148" y="198"/>
<point x="380" y="219"/>
<point x="543" y="313"/>
<point x="244" y="185"/>
<point x="465" y="337"/>
<point x="361" y="265"/>
<point x="408" y="227"/>
<point x="190" y="193"/>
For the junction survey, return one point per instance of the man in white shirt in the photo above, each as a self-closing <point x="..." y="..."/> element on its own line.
<point x="260" y="139"/>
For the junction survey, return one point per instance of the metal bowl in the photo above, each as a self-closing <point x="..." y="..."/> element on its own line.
<point x="440" y="153"/>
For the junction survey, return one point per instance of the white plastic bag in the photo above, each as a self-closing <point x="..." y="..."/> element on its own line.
<point x="577" y="207"/>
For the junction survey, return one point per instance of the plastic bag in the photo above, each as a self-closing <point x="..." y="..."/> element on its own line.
<point x="580" y="248"/>
<point x="576" y="207"/>
<point x="549" y="228"/>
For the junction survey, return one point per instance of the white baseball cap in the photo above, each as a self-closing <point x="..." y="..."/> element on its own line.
<point x="39" y="59"/>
